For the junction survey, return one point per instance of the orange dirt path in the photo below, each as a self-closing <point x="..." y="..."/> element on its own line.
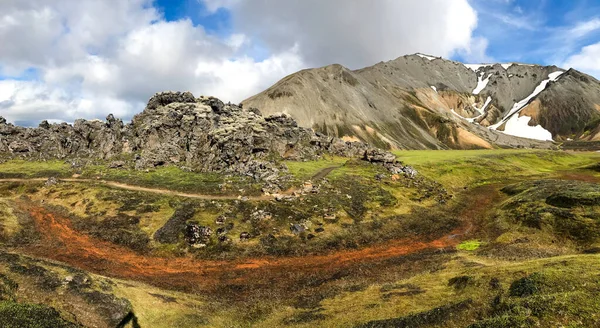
<point x="59" y="241"/>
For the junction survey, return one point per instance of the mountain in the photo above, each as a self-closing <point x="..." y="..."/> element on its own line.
<point x="424" y="102"/>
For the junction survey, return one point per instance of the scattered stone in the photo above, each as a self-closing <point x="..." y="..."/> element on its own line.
<point x="297" y="228"/>
<point x="379" y="156"/>
<point x="260" y="215"/>
<point x="244" y="236"/>
<point x="116" y="164"/>
<point x="51" y="182"/>
<point x="196" y="234"/>
<point x="220" y="219"/>
<point x="380" y="176"/>
<point x="320" y="229"/>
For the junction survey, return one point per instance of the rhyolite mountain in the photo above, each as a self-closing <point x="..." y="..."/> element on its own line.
<point x="424" y="102"/>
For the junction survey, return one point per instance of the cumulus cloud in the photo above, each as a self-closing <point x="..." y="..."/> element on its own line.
<point x="90" y="58"/>
<point x="587" y="60"/>
<point x="100" y="57"/>
<point x="356" y="33"/>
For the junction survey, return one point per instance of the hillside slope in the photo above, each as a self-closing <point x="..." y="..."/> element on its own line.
<point x="423" y="102"/>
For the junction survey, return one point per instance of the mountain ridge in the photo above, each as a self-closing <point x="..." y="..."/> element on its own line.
<point x="411" y="102"/>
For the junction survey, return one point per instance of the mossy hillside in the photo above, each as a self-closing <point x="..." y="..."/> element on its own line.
<point x="306" y="170"/>
<point x="568" y="209"/>
<point x="26" y="315"/>
<point x="37" y="293"/>
<point x="456" y="169"/>
<point x="351" y="209"/>
<point x="548" y="292"/>
<point x="9" y="223"/>
<point x="17" y="168"/>
<point x="176" y="179"/>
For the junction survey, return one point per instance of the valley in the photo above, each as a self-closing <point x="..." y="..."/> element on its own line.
<point x="477" y="238"/>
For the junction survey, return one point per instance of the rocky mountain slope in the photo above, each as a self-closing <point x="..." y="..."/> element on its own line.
<point x="424" y="102"/>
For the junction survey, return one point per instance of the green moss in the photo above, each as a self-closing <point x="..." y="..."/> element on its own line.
<point x="459" y="168"/>
<point x="174" y="178"/>
<point x="469" y="245"/>
<point x="306" y="170"/>
<point x="16" y="315"/>
<point x="33" y="169"/>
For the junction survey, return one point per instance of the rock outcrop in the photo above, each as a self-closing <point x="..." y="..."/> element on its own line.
<point x="201" y="134"/>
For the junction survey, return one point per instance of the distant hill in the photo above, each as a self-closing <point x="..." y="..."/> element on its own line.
<point x="424" y="102"/>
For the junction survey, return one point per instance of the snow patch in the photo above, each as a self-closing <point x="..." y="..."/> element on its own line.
<point x="481" y="83"/>
<point x="519" y="127"/>
<point x="476" y="67"/>
<point x="482" y="109"/>
<point x="555" y="75"/>
<point x="426" y="56"/>
<point x="434" y="88"/>
<point x="518" y="106"/>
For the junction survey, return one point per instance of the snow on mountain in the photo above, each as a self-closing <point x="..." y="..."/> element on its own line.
<point x="521" y="104"/>
<point x="426" y="56"/>
<point x="519" y="126"/>
<point x="481" y="83"/>
<point x="476" y="67"/>
<point x="485" y="105"/>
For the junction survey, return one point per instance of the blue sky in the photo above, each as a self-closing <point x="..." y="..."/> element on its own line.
<point x="87" y="58"/>
<point x="218" y="22"/>
<point x="532" y="31"/>
<point x="535" y="31"/>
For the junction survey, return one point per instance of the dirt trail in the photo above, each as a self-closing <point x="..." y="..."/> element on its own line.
<point x="318" y="176"/>
<point x="59" y="241"/>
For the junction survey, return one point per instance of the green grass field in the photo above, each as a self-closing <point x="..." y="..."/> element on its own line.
<point x="460" y="168"/>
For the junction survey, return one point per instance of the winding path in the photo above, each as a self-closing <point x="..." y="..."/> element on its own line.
<point x="318" y="176"/>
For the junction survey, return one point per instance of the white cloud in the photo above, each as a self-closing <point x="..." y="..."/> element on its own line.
<point x="98" y="57"/>
<point x="476" y="52"/>
<point x="111" y="56"/>
<point x="584" y="28"/>
<point x="356" y="33"/>
<point x="587" y="60"/>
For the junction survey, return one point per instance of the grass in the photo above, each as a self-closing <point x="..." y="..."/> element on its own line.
<point x="174" y="178"/>
<point x="564" y="292"/>
<point x="305" y="170"/>
<point x="160" y="308"/>
<point x="9" y="224"/>
<point x="469" y="245"/>
<point x="456" y="169"/>
<point x="17" y="168"/>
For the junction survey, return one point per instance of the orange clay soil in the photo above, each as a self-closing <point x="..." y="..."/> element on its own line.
<point x="59" y="241"/>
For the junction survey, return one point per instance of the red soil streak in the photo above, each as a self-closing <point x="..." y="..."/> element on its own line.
<point x="60" y="242"/>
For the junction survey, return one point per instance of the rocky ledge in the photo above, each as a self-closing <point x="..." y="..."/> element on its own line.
<point x="200" y="134"/>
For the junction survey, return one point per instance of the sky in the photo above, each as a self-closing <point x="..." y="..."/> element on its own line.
<point x="66" y="59"/>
